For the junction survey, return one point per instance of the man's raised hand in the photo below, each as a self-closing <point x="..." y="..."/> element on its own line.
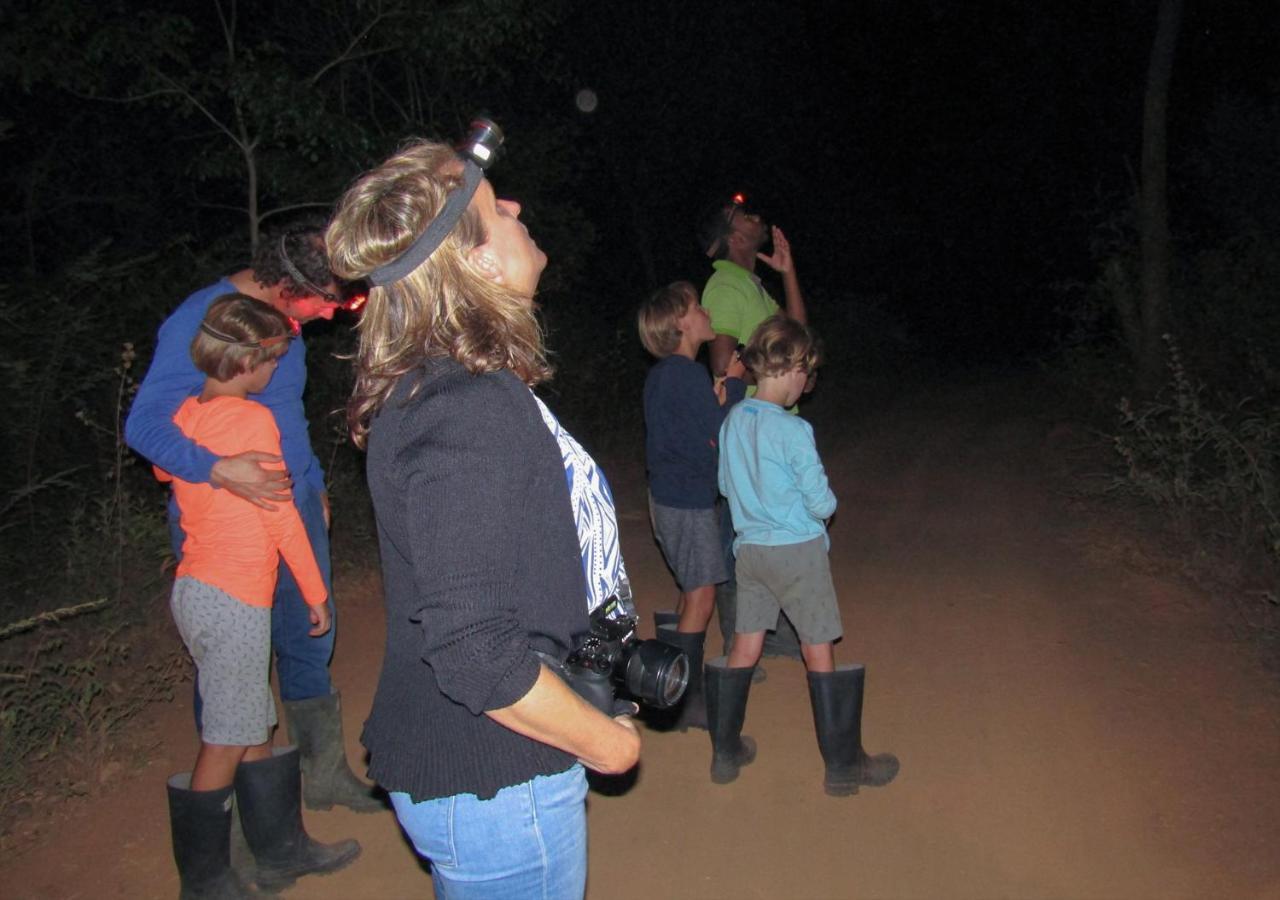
<point x="780" y="261"/>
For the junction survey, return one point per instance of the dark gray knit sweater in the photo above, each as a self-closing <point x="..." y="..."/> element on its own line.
<point x="480" y="567"/>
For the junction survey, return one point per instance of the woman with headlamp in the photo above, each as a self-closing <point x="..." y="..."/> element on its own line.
<point x="486" y="558"/>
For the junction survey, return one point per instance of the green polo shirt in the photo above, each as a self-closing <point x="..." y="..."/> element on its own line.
<point x="738" y="303"/>
<point x="736" y="300"/>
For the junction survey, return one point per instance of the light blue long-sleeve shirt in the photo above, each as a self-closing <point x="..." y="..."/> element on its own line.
<point x="770" y="471"/>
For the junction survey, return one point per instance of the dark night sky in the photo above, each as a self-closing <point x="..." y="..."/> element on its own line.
<point x="949" y="161"/>
<point x="956" y="157"/>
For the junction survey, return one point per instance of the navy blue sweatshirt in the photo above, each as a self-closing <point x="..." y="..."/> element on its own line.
<point x="480" y="568"/>
<point x="682" y="421"/>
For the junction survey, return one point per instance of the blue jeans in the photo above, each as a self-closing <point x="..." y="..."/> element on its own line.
<point x="302" y="662"/>
<point x="527" y="843"/>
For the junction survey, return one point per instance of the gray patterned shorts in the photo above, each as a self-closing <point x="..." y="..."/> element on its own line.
<point x="795" y="578"/>
<point x="230" y="642"/>
<point x="690" y="543"/>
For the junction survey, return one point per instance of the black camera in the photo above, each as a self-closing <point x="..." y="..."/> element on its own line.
<point x="610" y="659"/>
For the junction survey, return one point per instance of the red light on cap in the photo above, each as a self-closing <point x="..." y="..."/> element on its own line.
<point x="739" y="199"/>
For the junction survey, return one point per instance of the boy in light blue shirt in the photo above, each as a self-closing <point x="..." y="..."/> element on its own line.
<point x="780" y="499"/>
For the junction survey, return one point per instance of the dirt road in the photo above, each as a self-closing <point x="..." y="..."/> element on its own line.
<point x="1068" y="726"/>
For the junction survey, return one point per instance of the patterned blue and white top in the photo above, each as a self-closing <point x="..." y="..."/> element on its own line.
<point x="597" y="521"/>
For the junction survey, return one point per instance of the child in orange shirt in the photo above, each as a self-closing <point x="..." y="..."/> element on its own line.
<point x="221" y="603"/>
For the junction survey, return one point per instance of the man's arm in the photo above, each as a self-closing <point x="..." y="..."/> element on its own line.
<point x="722" y="349"/>
<point x="782" y="262"/>
<point x="150" y="429"/>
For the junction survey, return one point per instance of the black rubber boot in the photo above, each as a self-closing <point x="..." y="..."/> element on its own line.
<point x="315" y="726"/>
<point x="200" y="822"/>
<point x="664" y="617"/>
<point x="269" y="794"/>
<point x="782" y="641"/>
<point x="242" y="861"/>
<point x="726" y="612"/>
<point x="726" y="692"/>
<point x="693" y="708"/>
<point x="837" y="718"/>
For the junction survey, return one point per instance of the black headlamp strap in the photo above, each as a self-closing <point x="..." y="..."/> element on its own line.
<point x="299" y="279"/>
<point x="454" y="206"/>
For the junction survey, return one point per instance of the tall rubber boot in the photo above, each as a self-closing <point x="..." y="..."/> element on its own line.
<point x="726" y="692"/>
<point x="726" y="612"/>
<point x="269" y="794"/>
<point x="837" y="718"/>
<point x="693" y="708"/>
<point x="315" y="726"/>
<point x="664" y="617"/>
<point x="200" y="822"/>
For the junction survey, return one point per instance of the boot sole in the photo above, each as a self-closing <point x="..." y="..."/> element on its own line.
<point x="724" y="771"/>
<point x="274" y="881"/>
<point x="369" y="805"/>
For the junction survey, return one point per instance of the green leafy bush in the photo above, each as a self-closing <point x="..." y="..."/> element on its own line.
<point x="1211" y="462"/>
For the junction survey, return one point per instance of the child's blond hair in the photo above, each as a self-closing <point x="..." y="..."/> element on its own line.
<point x="659" y="316"/>
<point x="238" y="334"/>
<point x="779" y="345"/>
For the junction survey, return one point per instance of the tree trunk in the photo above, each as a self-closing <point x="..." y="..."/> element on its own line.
<point x="1153" y="222"/>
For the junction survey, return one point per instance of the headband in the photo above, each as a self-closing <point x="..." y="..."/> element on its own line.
<point x="454" y="206"/>
<point x="301" y="280"/>
<point x="263" y="344"/>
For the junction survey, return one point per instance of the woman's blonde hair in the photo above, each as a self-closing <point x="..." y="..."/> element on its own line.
<point x="658" y="320"/>
<point x="779" y="345"/>
<point x="444" y="308"/>
<point x="238" y="334"/>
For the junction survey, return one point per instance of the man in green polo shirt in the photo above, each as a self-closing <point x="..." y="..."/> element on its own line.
<point x="734" y="295"/>
<point x="733" y="237"/>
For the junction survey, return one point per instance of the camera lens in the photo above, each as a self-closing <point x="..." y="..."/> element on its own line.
<point x="656" y="673"/>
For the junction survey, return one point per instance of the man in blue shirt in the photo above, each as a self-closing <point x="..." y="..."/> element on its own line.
<point x="289" y="271"/>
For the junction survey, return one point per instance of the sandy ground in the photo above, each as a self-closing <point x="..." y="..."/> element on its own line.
<point x="1068" y="726"/>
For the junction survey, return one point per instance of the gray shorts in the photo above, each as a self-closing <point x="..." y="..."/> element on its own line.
<point x="690" y="542"/>
<point x="230" y="642"/>
<point x="793" y="578"/>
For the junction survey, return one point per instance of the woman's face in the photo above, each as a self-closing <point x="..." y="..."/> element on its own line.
<point x="509" y="256"/>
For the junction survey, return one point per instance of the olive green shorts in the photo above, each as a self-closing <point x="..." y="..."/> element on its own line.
<point x="794" y="579"/>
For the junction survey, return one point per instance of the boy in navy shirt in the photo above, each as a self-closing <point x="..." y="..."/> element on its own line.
<point x="683" y="411"/>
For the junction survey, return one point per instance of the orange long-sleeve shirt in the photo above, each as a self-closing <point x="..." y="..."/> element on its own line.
<point x="230" y="543"/>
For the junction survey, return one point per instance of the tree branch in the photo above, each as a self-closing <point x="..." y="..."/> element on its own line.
<point x="347" y="54"/>
<point x="191" y="98"/>
<point x="228" y="29"/>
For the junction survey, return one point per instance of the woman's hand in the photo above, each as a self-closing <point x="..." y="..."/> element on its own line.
<point x="624" y="751"/>
<point x="553" y="713"/>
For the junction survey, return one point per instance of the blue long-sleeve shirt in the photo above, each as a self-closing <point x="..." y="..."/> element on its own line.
<point x="770" y="471"/>
<point x="173" y="377"/>
<point x="682" y="420"/>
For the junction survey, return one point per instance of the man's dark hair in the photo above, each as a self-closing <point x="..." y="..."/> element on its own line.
<point x="713" y="228"/>
<point x="304" y="245"/>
